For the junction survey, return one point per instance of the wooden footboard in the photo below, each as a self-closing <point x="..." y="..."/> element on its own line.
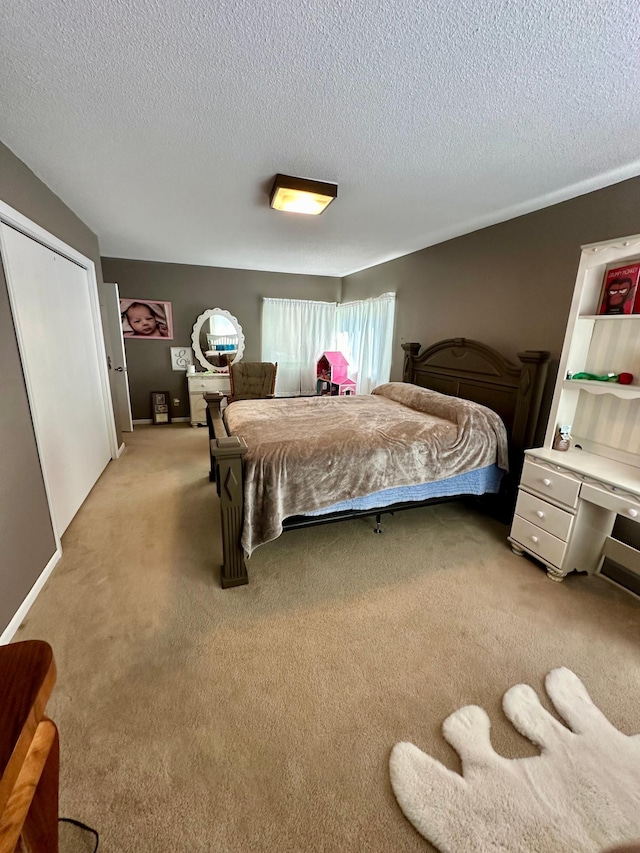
<point x="226" y="469"/>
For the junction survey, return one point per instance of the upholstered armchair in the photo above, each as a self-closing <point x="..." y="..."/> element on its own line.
<point x="252" y="380"/>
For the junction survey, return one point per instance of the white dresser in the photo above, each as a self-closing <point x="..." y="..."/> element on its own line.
<point x="204" y="383"/>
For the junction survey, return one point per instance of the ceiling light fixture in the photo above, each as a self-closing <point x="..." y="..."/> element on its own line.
<point x="301" y="195"/>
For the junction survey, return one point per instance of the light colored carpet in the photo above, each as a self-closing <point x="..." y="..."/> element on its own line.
<point x="261" y="718"/>
<point x="581" y="794"/>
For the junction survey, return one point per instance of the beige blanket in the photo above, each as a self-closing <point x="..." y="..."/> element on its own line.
<point x="307" y="453"/>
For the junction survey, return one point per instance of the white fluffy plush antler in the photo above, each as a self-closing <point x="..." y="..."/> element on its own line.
<point x="581" y="794"/>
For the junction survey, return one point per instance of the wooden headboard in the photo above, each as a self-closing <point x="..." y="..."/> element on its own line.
<point x="465" y="368"/>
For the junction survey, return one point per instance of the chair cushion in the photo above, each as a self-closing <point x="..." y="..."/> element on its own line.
<point x="252" y="379"/>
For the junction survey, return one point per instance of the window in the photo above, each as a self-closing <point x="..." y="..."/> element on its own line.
<point x="295" y="333"/>
<point x="364" y="335"/>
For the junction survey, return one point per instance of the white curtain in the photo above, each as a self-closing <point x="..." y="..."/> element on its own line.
<point x="364" y="335"/>
<point x="295" y="333"/>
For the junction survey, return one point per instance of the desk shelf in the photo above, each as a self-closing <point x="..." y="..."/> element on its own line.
<point x="615" y="318"/>
<point x="593" y="386"/>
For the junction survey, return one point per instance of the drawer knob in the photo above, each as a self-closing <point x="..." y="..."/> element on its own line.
<point x="534" y="538"/>
<point x="633" y="513"/>
<point x="547" y="481"/>
<point x="540" y="514"/>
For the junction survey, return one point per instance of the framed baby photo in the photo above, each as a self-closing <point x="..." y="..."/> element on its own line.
<point x="620" y="292"/>
<point x="146" y="319"/>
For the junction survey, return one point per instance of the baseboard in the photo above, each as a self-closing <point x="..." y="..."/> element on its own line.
<point x="12" y="627"/>
<point x="120" y="451"/>
<point x="146" y="421"/>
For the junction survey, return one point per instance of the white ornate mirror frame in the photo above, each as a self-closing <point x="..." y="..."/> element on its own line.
<point x="198" y="328"/>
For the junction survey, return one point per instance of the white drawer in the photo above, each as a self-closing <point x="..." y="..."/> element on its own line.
<point x="545" y="515"/>
<point x="209" y="385"/>
<point x="548" y="548"/>
<point x="559" y="487"/>
<point x="619" y="503"/>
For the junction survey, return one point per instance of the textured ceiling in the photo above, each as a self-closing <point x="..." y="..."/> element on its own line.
<point x="162" y="122"/>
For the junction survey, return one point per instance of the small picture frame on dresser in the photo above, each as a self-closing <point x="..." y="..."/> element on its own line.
<point x="160" y="412"/>
<point x="620" y="289"/>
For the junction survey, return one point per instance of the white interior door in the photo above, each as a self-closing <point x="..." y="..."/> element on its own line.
<point x="119" y="375"/>
<point x="56" y="314"/>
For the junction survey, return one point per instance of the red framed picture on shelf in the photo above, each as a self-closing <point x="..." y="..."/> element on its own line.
<point x="620" y="290"/>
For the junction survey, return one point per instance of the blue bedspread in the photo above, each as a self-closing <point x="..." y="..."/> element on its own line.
<point x="477" y="482"/>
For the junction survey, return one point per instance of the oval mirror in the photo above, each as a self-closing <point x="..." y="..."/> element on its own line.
<point x="217" y="340"/>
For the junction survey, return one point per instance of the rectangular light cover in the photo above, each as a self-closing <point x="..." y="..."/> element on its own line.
<point x="300" y="195"/>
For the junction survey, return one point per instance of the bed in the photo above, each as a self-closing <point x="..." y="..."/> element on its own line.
<point x="462" y="417"/>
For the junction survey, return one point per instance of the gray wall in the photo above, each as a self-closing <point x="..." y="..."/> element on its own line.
<point x="26" y="536"/>
<point x="191" y="290"/>
<point x="509" y="285"/>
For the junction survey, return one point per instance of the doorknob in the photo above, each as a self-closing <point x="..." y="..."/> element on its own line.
<point x="119" y="369"/>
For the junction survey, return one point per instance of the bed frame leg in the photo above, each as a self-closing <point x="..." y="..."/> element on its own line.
<point x="377" y="528"/>
<point x="228" y="453"/>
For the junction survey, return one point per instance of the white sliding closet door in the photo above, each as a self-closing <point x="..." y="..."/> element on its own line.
<point x="54" y="307"/>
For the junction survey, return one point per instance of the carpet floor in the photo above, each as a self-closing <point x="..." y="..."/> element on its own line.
<point x="261" y="718"/>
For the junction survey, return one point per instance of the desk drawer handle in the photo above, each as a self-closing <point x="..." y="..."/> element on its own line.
<point x="633" y="513"/>
<point x="546" y="481"/>
<point x="534" y="538"/>
<point x="540" y="514"/>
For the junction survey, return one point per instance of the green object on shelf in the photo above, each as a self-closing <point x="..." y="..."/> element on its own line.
<point x="608" y="377"/>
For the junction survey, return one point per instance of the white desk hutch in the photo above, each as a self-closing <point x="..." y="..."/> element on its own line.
<point x="572" y="504"/>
